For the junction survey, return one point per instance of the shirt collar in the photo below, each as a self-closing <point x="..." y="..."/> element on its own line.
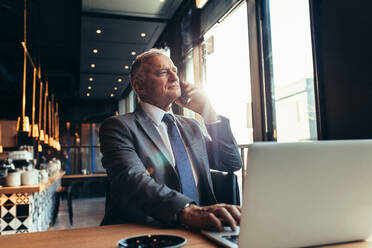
<point x="156" y="114"/>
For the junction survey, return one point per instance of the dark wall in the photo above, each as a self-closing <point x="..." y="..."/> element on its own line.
<point x="343" y="55"/>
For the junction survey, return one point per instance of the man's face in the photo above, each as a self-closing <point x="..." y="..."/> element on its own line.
<point x="160" y="86"/>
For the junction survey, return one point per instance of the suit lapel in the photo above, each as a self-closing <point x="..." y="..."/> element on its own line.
<point x="148" y="127"/>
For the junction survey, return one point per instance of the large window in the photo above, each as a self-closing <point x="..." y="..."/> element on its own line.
<point x="188" y="76"/>
<point x="227" y="77"/>
<point x="288" y="54"/>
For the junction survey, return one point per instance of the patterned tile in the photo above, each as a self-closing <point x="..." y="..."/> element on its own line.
<point x="8" y="218"/>
<point x="22" y="210"/>
<point x="12" y="197"/>
<point x="27" y="222"/>
<point x="4" y="211"/>
<point x="8" y="204"/>
<point x="22" y="231"/>
<point x="8" y="228"/>
<point x="12" y="211"/>
<point x="8" y="232"/>
<point x="23" y="198"/>
<point x="15" y="223"/>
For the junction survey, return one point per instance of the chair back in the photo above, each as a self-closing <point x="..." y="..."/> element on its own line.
<point x="226" y="188"/>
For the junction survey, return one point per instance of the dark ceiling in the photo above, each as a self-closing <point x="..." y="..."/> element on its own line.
<point x="62" y="36"/>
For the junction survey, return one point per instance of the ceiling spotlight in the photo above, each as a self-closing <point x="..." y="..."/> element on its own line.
<point x="133" y="53"/>
<point x="115" y="88"/>
<point x="95" y="51"/>
<point x="112" y="94"/>
<point x="99" y="31"/>
<point x="143" y="34"/>
<point x="126" y="67"/>
<point x="120" y="80"/>
<point x="162" y="1"/>
<point x="92" y="65"/>
<point x="91" y="79"/>
<point x="88" y="94"/>
<point x="89" y="87"/>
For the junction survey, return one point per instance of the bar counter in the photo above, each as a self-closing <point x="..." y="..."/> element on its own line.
<point x="28" y="208"/>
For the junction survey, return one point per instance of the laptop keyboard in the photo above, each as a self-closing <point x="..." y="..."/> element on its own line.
<point x="232" y="238"/>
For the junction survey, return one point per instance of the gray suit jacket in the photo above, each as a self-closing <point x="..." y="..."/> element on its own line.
<point x="143" y="182"/>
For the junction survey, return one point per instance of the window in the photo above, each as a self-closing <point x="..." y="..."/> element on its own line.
<point x="188" y="76"/>
<point x="227" y="72"/>
<point x="288" y="55"/>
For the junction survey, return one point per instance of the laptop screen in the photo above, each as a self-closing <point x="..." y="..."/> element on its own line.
<point x="307" y="193"/>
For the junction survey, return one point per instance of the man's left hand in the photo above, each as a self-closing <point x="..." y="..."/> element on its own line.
<point x="217" y="216"/>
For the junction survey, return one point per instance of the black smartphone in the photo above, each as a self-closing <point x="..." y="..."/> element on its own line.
<point x="183" y="98"/>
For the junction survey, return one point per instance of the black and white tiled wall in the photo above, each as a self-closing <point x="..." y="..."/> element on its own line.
<point x="27" y="212"/>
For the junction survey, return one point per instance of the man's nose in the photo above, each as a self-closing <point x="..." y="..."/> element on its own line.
<point x="173" y="76"/>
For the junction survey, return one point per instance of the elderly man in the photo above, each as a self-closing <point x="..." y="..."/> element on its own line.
<point x="158" y="163"/>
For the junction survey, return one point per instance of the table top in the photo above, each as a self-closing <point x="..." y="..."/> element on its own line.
<point x="32" y="188"/>
<point x="100" y="237"/>
<point x="108" y="236"/>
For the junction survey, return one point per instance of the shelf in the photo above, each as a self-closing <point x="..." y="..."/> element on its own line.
<point x="32" y="188"/>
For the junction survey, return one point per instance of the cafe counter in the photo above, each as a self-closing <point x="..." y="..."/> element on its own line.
<point x="28" y="208"/>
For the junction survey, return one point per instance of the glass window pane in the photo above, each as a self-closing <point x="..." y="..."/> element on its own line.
<point x="189" y="77"/>
<point x="228" y="72"/>
<point x="292" y="70"/>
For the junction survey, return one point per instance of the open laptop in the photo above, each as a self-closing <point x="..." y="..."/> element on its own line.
<point x="305" y="194"/>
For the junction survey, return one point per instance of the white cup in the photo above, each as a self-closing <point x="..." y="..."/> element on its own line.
<point x="13" y="179"/>
<point x="30" y="177"/>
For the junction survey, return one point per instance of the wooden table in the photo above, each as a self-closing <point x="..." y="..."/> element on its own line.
<point x="99" y="237"/>
<point x="83" y="176"/>
<point x="107" y="237"/>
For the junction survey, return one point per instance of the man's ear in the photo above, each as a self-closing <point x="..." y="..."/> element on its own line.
<point x="138" y="86"/>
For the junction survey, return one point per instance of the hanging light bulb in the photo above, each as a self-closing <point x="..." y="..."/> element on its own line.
<point x="23" y="121"/>
<point x="39" y="148"/>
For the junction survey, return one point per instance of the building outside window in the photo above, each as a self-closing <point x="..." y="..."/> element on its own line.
<point x="290" y="56"/>
<point x="227" y="72"/>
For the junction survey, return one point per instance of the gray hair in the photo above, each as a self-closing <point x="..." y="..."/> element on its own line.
<point x="136" y="70"/>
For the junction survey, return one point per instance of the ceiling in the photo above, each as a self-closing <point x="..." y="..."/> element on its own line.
<point x="62" y="35"/>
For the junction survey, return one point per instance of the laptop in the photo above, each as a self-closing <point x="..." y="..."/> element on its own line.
<point x="304" y="194"/>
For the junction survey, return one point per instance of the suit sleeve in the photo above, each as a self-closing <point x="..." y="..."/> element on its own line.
<point x="223" y="152"/>
<point x="129" y="178"/>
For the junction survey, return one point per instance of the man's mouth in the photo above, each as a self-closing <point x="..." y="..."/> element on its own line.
<point x="174" y="86"/>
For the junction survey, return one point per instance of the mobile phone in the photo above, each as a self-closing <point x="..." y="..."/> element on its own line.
<point x="183" y="98"/>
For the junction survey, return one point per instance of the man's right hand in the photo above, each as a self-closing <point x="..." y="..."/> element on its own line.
<point x="216" y="216"/>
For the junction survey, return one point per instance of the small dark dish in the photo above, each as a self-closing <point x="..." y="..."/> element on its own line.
<point x="152" y="241"/>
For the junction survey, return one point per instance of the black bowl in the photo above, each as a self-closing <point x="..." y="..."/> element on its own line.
<point x="152" y="241"/>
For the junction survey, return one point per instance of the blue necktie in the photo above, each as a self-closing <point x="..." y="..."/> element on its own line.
<point x="181" y="158"/>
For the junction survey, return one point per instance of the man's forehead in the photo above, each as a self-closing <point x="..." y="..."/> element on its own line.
<point x="159" y="61"/>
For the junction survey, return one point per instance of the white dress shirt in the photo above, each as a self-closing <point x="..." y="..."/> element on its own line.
<point x="156" y="115"/>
